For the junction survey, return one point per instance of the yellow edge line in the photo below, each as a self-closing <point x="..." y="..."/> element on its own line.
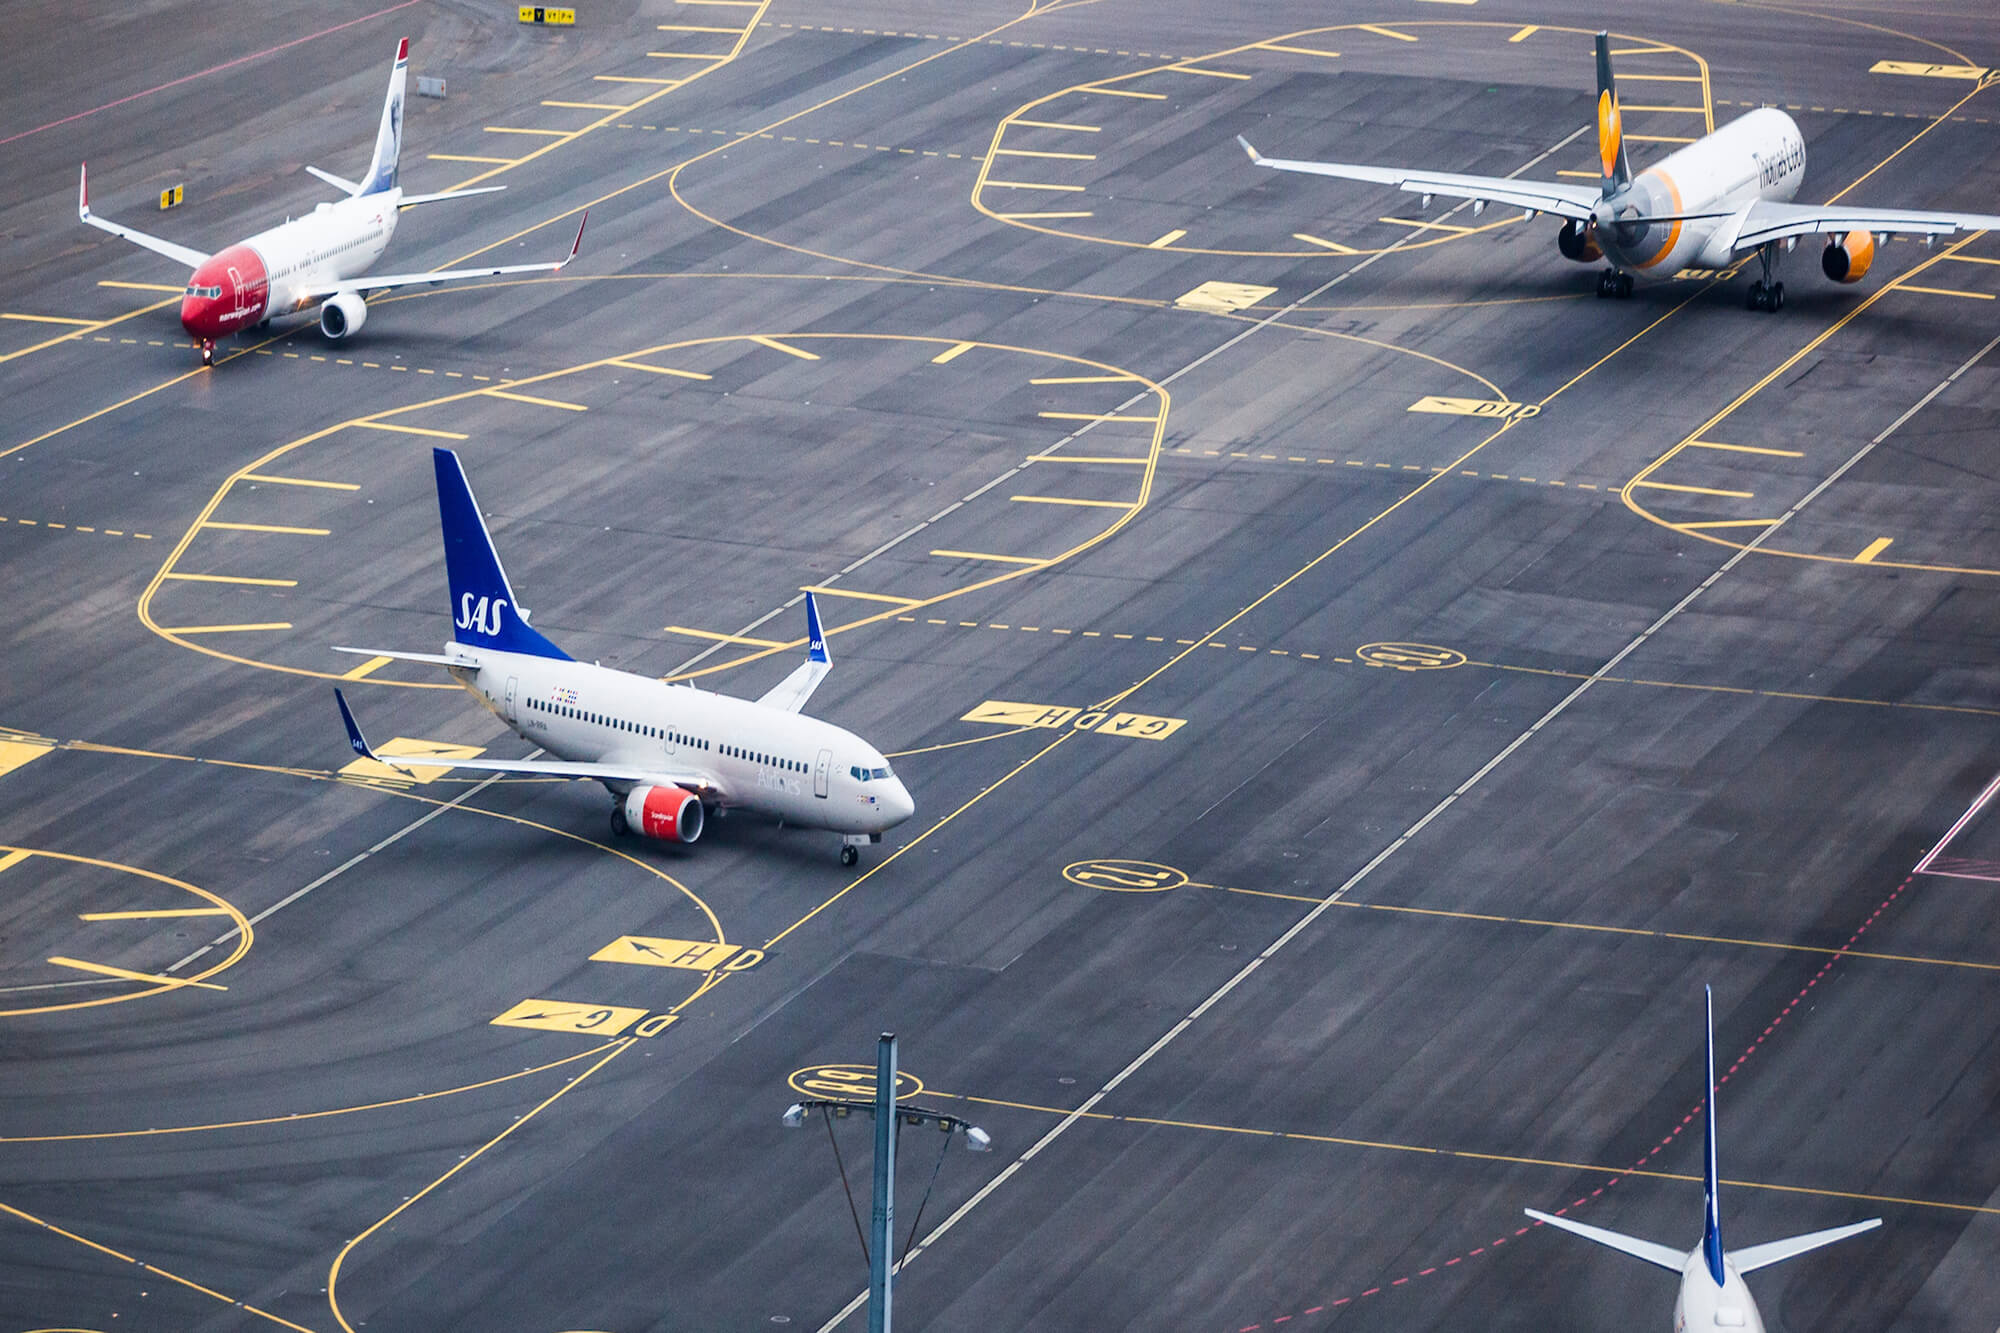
<point x="301" y="481"/>
<point x="863" y="596"/>
<point x="664" y="370"/>
<point x="984" y="555"/>
<point x="512" y="398"/>
<point x="124" y="974"/>
<point x="235" y="578"/>
<point x="722" y="638"/>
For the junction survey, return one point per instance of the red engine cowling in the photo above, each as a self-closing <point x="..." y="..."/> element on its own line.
<point x="671" y="814"/>
<point x="1846" y="258"/>
<point x="1577" y="243"/>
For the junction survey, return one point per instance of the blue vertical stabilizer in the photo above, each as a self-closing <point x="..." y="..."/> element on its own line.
<point x="483" y="611"/>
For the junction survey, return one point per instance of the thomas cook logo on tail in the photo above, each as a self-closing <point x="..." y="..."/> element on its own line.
<point x="482" y="616"/>
<point x="1610" y="131"/>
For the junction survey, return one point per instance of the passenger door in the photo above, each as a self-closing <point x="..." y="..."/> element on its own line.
<point x="821" y="768"/>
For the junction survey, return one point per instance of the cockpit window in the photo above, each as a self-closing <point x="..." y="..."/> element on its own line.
<point x="860" y="774"/>
<point x="213" y="292"/>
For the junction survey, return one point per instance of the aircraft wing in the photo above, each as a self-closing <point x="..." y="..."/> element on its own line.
<point x="792" y="692"/>
<point x="1765" y="222"/>
<point x="381" y="282"/>
<point x="547" y="768"/>
<point x="1777" y="1251"/>
<point x="193" y="259"/>
<point x="1566" y="201"/>
<point x="1665" y="1256"/>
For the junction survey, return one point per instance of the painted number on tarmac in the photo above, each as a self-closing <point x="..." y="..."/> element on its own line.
<point x="853" y="1082"/>
<point x="693" y="955"/>
<point x="1124" y="876"/>
<point x="1409" y="656"/>
<point x="591" y="1020"/>
<point x="1140" y="726"/>
<point x="1493" y="409"/>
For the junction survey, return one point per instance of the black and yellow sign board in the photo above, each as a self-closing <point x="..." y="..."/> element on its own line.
<point x="547" y="14"/>
<point x="1140" y="726"/>
<point x="851" y="1082"/>
<point x="590" y="1020"/>
<point x="1492" y="409"/>
<point x="693" y="955"/>
<point x="171" y="196"/>
<point x="1922" y="70"/>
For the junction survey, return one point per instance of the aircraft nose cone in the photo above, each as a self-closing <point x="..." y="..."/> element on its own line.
<point x="900" y="805"/>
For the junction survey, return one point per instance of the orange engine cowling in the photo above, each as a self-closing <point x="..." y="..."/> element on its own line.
<point x="1846" y="258"/>
<point x="671" y="814"/>
<point x="1578" y="243"/>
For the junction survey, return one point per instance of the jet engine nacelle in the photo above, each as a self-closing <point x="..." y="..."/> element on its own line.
<point x="341" y="315"/>
<point x="1846" y="258"/>
<point x="671" y="814"/>
<point x="1578" y="244"/>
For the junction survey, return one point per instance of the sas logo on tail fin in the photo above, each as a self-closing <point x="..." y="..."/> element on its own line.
<point x="482" y="616"/>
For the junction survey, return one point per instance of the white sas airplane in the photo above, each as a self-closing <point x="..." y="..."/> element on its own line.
<point x="1712" y="1290"/>
<point x="1703" y="206"/>
<point x="669" y="754"/>
<point x="317" y="260"/>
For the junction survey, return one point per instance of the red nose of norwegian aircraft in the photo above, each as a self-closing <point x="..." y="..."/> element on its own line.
<point x="227" y="293"/>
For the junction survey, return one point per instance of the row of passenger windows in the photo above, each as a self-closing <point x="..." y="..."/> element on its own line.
<point x="678" y="737"/>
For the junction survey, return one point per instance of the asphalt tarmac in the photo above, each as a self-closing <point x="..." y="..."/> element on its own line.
<point x="1357" y="685"/>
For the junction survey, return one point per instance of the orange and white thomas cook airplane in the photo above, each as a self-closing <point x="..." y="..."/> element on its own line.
<point x="317" y="260"/>
<point x="1723" y="196"/>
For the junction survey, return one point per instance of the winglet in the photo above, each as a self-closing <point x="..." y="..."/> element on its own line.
<point x="577" y="244"/>
<point x="1254" y="157"/>
<point x="1711" y="1232"/>
<point x="354" y="736"/>
<point x="83" y="192"/>
<point x="815" y="637"/>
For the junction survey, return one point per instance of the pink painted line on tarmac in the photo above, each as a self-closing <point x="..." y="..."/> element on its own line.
<point x="214" y="69"/>
<point x="1977" y="805"/>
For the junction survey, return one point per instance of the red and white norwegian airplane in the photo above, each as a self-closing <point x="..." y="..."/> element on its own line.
<point x="319" y="259"/>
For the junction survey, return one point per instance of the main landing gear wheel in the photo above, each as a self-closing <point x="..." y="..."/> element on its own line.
<point x="850" y="856"/>
<point x="208" y="351"/>
<point x="1767" y="298"/>
<point x="619" y="826"/>
<point x="1613" y="283"/>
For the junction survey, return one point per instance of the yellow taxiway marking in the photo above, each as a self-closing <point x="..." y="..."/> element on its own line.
<point x="1082" y="379"/>
<point x="1658" y="138"/>
<point x="984" y="555"/>
<point x="51" y="319"/>
<point x="1208" y="73"/>
<point x="1923" y="71"/>
<point x="300" y="481"/>
<point x="1642" y="51"/>
<point x="466" y="157"/>
<point x="685" y="27"/>
<point x="591" y="1020"/>
<point x="1005" y="713"/>
<point x="1695" y="490"/>
<point x="1744" y="449"/>
<point x="1095" y="416"/>
<point x="1690" y="110"/>
<point x="1070" y="500"/>
<point x="1122" y="92"/>
<point x="1495" y="409"/>
<point x="634" y="78"/>
<point x="124" y="974"/>
<point x="952" y="353"/>
<point x="227" y="629"/>
<point x="1167" y="239"/>
<point x="268" y="527"/>
<point x="1525" y="33"/>
<point x="373" y="771"/>
<point x="1660" y="78"/>
<point x="1292" y="50"/>
<point x="607" y="106"/>
<point x="138" y="286"/>
<point x="1087" y="458"/>
<point x="152" y="914"/>
<point x="1873" y="549"/>
<point x="530" y="398"/>
<point x="1008" y="152"/>
<point x="16" y="856"/>
<point x="1420" y="225"/>
<point x="1582" y="175"/>
<point x="1733" y="523"/>
<point x="1141" y="726"/>
<point x="1059" y="125"/>
<point x="1385" y="32"/>
<point x="367" y="668"/>
<point x="1324" y="244"/>
<point x="689" y="955"/>
<point x="784" y="347"/>
<point x="1969" y="259"/>
<point x="413" y="430"/>
<point x="1450" y="2"/>
<point x="664" y="370"/>
<point x="513" y="129"/>
<point x="1032" y="185"/>
<point x="1015" y="217"/>
<point x="863" y="596"/>
<point x="1220" y="298"/>
<point x="721" y="638"/>
<point x="681" y="55"/>
<point x="1943" y="291"/>
<point x="235" y="578"/>
<point x="13" y="754"/>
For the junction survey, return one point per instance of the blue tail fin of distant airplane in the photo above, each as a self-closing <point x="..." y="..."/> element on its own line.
<point x="483" y="611"/>
<point x="1711" y="1227"/>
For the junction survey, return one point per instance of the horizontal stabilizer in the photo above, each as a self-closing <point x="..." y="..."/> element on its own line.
<point x="445" y="196"/>
<point x="1777" y="1251"/>
<point x="428" y="659"/>
<point x="1665" y="1256"/>
<point x="341" y="183"/>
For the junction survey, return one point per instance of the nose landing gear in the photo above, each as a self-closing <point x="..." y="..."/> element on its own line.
<point x="1613" y="283"/>
<point x="208" y="351"/>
